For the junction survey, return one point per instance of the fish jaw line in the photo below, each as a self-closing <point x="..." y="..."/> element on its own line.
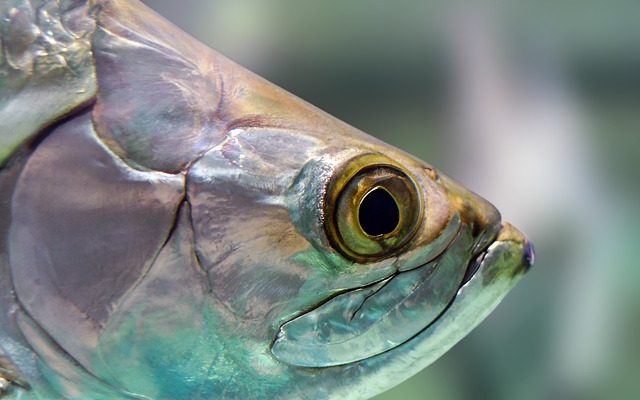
<point x="504" y="262"/>
<point x="508" y="251"/>
<point x="501" y="265"/>
<point x="412" y="300"/>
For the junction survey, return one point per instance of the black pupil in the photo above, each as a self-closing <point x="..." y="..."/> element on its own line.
<point x="378" y="213"/>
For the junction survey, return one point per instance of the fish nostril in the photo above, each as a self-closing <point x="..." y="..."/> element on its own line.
<point x="529" y="256"/>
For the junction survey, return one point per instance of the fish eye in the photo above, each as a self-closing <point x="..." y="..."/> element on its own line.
<point x="373" y="208"/>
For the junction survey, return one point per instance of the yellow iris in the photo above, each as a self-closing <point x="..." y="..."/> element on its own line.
<point x="373" y="208"/>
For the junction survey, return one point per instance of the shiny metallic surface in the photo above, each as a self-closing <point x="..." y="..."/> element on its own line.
<point x="167" y="239"/>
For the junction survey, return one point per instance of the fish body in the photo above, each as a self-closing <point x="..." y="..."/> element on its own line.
<point x="175" y="227"/>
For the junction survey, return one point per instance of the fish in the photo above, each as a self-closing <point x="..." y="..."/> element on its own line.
<point x="174" y="226"/>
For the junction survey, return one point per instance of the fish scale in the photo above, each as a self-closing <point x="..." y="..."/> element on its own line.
<point x="46" y="70"/>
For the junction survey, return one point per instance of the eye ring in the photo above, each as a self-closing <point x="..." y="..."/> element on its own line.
<point x="372" y="208"/>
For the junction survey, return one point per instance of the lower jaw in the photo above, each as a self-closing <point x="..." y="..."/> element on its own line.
<point x="480" y="292"/>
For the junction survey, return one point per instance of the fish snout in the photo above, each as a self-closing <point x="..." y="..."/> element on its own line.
<point x="492" y="238"/>
<point x="510" y="234"/>
<point x="482" y="217"/>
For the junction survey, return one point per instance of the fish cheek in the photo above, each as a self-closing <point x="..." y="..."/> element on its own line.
<point x="245" y="242"/>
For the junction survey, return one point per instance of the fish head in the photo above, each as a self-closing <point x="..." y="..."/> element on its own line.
<point x="343" y="256"/>
<point x="322" y="260"/>
<point x="198" y="232"/>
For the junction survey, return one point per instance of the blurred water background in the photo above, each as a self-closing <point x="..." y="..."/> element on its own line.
<point x="534" y="105"/>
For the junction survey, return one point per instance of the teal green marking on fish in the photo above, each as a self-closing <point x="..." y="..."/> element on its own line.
<point x="176" y="227"/>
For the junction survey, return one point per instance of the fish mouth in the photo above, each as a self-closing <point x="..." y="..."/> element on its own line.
<point x="507" y="233"/>
<point x="371" y="320"/>
<point x="476" y="260"/>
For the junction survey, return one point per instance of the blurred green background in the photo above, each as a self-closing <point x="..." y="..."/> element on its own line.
<point x="534" y="105"/>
